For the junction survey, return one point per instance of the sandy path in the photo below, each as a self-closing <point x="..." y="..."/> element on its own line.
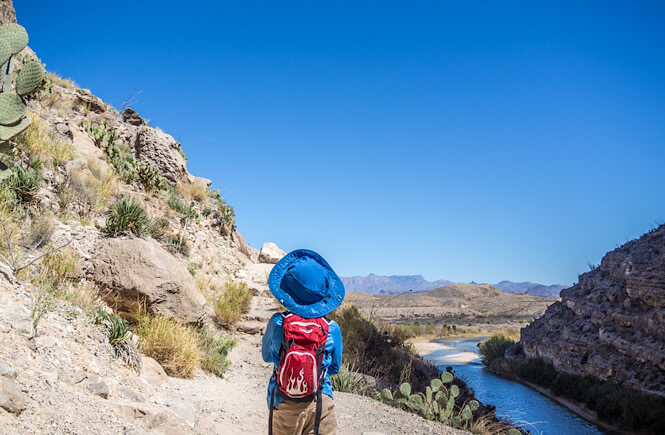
<point x="427" y="348"/>
<point x="237" y="403"/>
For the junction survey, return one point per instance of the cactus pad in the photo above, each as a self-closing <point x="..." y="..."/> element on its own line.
<point x="466" y="413"/>
<point x="9" y="131"/>
<point x="446" y="377"/>
<point x="5" y="51"/>
<point x="436" y="384"/>
<point x="405" y="389"/>
<point x="29" y="78"/>
<point x="514" y="432"/>
<point x="16" y="35"/>
<point x="11" y="108"/>
<point x="474" y="405"/>
<point x="386" y="394"/>
<point x="456" y="422"/>
<point x="416" y="402"/>
<point x="454" y="390"/>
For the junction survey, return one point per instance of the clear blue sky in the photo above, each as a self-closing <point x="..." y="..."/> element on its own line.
<point x="467" y="141"/>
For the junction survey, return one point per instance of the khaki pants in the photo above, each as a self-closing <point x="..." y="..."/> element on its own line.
<point x="297" y="418"/>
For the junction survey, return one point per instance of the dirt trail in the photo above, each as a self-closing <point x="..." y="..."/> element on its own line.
<point x="237" y="404"/>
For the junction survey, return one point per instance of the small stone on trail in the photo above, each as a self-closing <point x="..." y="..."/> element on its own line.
<point x="7" y="371"/>
<point x="11" y="398"/>
<point x="96" y="385"/>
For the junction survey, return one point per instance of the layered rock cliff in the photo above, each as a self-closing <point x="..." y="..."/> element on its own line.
<point x="611" y="324"/>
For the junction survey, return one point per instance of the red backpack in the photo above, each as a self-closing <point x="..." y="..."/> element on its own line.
<point x="300" y="372"/>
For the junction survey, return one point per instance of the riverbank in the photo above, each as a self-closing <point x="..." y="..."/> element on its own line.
<point x="516" y="401"/>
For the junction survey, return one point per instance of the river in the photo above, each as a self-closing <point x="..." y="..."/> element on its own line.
<point x="514" y="401"/>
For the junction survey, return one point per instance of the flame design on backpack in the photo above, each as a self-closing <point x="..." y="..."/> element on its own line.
<point x="297" y="385"/>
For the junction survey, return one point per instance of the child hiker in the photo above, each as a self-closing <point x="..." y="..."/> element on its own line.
<point x="304" y="346"/>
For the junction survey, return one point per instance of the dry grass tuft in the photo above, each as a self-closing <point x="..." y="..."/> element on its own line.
<point x="65" y="83"/>
<point x="232" y="303"/>
<point x="192" y="191"/>
<point x="82" y="294"/>
<point x="174" y="345"/>
<point x="39" y="143"/>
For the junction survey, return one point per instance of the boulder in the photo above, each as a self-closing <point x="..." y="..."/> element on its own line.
<point x="96" y="385"/>
<point x="131" y="117"/>
<point x="11" y="398"/>
<point x="152" y="372"/>
<point x="84" y="146"/>
<point x="154" y="147"/>
<point x="270" y="253"/>
<point x="141" y="270"/>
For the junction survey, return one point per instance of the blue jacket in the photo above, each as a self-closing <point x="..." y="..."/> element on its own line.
<point x="272" y="340"/>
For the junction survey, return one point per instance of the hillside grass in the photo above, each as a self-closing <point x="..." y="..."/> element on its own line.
<point x="232" y="303"/>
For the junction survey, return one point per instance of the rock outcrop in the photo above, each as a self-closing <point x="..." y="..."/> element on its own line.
<point x="139" y="270"/>
<point x="611" y="324"/>
<point x="270" y="253"/>
<point x="159" y="149"/>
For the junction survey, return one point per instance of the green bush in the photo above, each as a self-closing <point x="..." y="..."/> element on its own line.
<point x="127" y="216"/>
<point x="346" y="380"/>
<point x="214" y="352"/>
<point x="623" y="407"/>
<point x="177" y="204"/>
<point x="494" y="348"/>
<point x="232" y="303"/>
<point x="24" y="184"/>
<point x="157" y="228"/>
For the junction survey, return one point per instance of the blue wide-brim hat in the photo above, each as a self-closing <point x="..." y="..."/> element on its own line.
<point x="305" y="284"/>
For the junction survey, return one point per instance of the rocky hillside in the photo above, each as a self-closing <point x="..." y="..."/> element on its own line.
<point x="530" y="288"/>
<point x="111" y="250"/>
<point x="453" y="304"/>
<point x="611" y="324"/>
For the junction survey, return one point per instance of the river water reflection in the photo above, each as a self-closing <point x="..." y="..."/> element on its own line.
<point x="513" y="401"/>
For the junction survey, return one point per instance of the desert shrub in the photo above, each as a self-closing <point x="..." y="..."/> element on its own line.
<point x="494" y="348"/>
<point x="82" y="294"/>
<point x="39" y="231"/>
<point x="24" y="183"/>
<point x="177" y="204"/>
<point x="374" y="351"/>
<point x="192" y="268"/>
<point x="123" y="160"/>
<point x="150" y="177"/>
<point x="228" y="217"/>
<point x="173" y="345"/>
<point x="621" y="406"/>
<point x="192" y="191"/>
<point x="127" y="216"/>
<point x="40" y="143"/>
<point x="346" y="380"/>
<point x="232" y="303"/>
<point x="214" y="351"/>
<point x="119" y="335"/>
<point x="157" y="228"/>
<point x="56" y="270"/>
<point x="65" y="83"/>
<point x="102" y="183"/>
<point x="177" y="244"/>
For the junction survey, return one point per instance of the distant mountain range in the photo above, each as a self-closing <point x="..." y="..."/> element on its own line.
<point x="530" y="288"/>
<point x="393" y="284"/>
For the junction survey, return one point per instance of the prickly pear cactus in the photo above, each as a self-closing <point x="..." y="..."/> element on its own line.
<point x="437" y="403"/>
<point x="13" y="39"/>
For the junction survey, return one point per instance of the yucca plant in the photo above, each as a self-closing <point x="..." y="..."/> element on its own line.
<point x="24" y="183"/>
<point x="127" y="216"/>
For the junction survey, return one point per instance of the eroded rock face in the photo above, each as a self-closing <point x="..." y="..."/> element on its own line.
<point x="141" y="270"/>
<point x="7" y="12"/>
<point x="611" y="324"/>
<point x="159" y="149"/>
